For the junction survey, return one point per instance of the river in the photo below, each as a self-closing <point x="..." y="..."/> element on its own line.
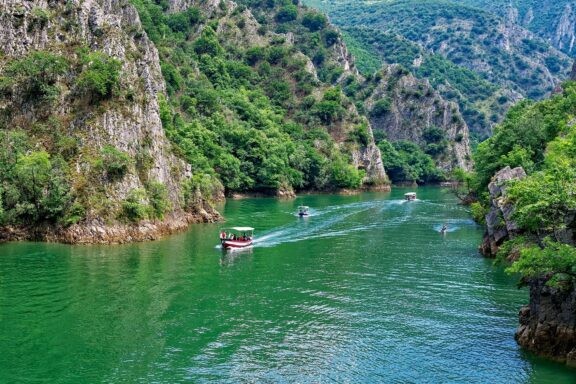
<point x="366" y="289"/>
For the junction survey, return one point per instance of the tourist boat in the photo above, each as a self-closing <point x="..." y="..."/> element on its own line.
<point x="303" y="211"/>
<point x="410" y="196"/>
<point x="236" y="237"/>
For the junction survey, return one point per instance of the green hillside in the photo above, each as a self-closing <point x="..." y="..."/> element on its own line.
<point x="470" y="55"/>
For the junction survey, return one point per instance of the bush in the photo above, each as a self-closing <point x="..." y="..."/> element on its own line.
<point x="208" y="43"/>
<point x="478" y="212"/>
<point x="343" y="175"/>
<point x="134" y="208"/>
<point x="287" y="13"/>
<point x="36" y="75"/>
<point x="433" y="134"/>
<point x="331" y="37"/>
<point x="381" y="107"/>
<point x="555" y="261"/>
<point x="360" y="134"/>
<point x="100" y="76"/>
<point x="314" y="21"/>
<point x="115" y="162"/>
<point x="158" y="197"/>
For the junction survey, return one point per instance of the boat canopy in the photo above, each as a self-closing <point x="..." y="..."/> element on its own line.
<point x="241" y="229"/>
<point x="410" y="194"/>
<point x="303" y="207"/>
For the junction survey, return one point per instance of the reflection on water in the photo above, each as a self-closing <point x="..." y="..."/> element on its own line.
<point x="363" y="290"/>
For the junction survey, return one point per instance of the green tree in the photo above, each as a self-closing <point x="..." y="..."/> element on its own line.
<point x="314" y="21"/>
<point x="554" y="260"/>
<point x="287" y="13"/>
<point x="115" y="162"/>
<point x="208" y="43"/>
<point x="100" y="76"/>
<point x="36" y="75"/>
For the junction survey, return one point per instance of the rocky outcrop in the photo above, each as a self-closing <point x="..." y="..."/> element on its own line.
<point x="130" y="122"/>
<point x="565" y="32"/>
<point x="97" y="231"/>
<point x="548" y="323"/>
<point x="499" y="223"/>
<point x="413" y="107"/>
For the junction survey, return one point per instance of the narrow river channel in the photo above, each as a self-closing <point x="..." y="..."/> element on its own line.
<point x="366" y="289"/>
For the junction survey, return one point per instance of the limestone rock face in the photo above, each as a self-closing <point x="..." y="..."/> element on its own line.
<point x="499" y="223"/>
<point x="130" y="123"/>
<point x="548" y="323"/>
<point x="415" y="106"/>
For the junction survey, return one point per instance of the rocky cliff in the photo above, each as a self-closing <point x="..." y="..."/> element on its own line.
<point x="128" y="121"/>
<point x="413" y="107"/>
<point x="499" y="223"/>
<point x="548" y="323"/>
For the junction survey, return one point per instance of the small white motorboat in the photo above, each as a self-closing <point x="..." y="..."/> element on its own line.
<point x="410" y="196"/>
<point x="303" y="211"/>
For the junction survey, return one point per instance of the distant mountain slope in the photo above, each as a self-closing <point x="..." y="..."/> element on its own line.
<point x="553" y="20"/>
<point x="470" y="55"/>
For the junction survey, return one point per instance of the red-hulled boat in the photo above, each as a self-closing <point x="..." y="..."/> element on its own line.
<point x="236" y="237"/>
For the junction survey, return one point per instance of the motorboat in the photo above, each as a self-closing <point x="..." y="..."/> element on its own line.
<point x="303" y="211"/>
<point x="236" y="237"/>
<point x="410" y="196"/>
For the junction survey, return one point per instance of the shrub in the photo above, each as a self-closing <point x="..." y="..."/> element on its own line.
<point x="381" y="107"/>
<point x="254" y="55"/>
<point x="344" y="175"/>
<point x="100" y="76"/>
<point x="287" y="13"/>
<point x="208" y="43"/>
<point x="314" y="21"/>
<point x="115" y="162"/>
<point x="158" y="197"/>
<point x="331" y="37"/>
<point x="478" y="212"/>
<point x="360" y="134"/>
<point x="134" y="208"/>
<point x="40" y="17"/>
<point x="36" y="75"/>
<point x="433" y="134"/>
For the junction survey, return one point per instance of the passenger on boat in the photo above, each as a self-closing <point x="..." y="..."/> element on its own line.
<point x="232" y="237"/>
<point x="223" y="235"/>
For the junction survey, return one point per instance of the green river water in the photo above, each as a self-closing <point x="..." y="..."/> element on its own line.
<point x="365" y="290"/>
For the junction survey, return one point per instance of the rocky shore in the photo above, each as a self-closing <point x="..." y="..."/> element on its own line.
<point x="548" y="323"/>
<point x="99" y="232"/>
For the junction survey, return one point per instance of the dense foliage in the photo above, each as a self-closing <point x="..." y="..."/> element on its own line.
<point x="546" y="15"/>
<point x="39" y="180"/>
<point x="457" y="47"/>
<point x="541" y="138"/>
<point x="408" y="162"/>
<point x="246" y="114"/>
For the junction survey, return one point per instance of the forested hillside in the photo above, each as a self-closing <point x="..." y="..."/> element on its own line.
<point x="525" y="179"/>
<point x="553" y="20"/>
<point x="120" y="113"/>
<point x="470" y="55"/>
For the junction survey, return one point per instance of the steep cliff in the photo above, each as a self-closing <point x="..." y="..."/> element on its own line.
<point x="553" y="20"/>
<point x="548" y="323"/>
<point x="480" y="57"/>
<point x="414" y="108"/>
<point x="88" y="124"/>
<point x="500" y="226"/>
<point x="254" y="96"/>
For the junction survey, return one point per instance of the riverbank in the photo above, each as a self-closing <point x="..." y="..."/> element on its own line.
<point x="97" y="231"/>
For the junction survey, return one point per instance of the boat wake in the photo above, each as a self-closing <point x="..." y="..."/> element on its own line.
<point x="331" y="223"/>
